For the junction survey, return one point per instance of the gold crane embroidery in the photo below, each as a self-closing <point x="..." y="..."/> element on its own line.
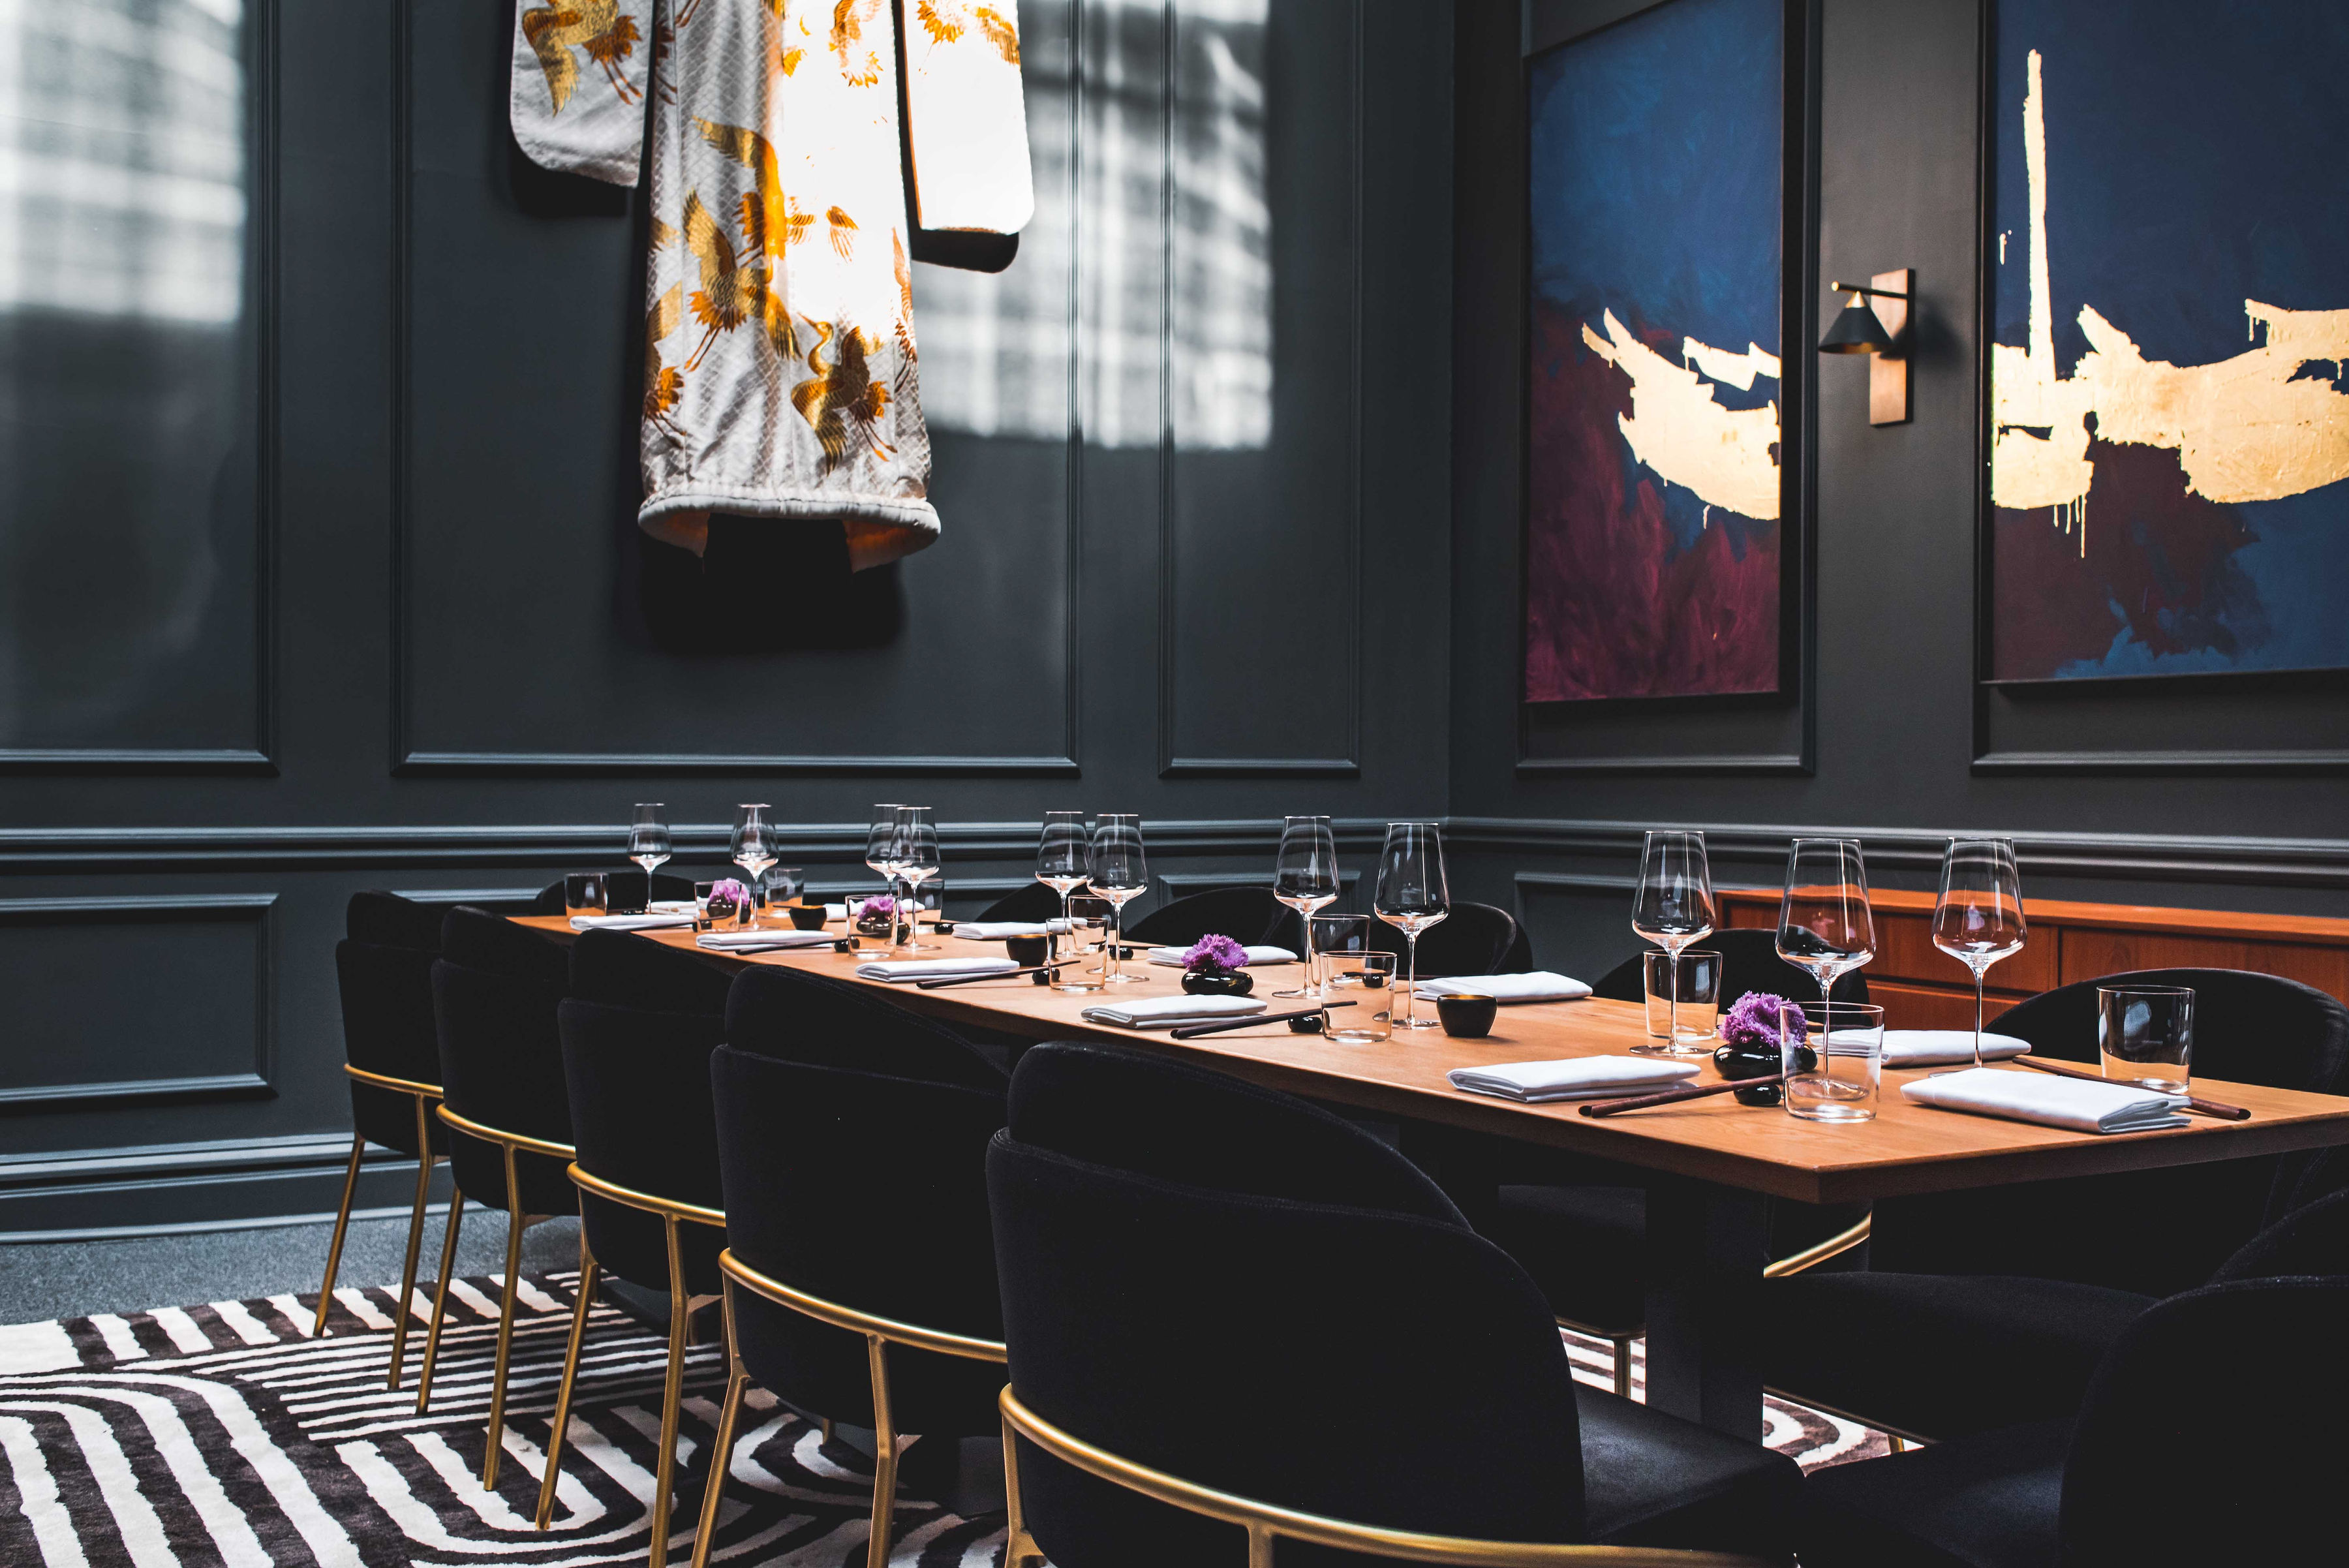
<point x="842" y="403"/>
<point x="848" y="20"/>
<point x="728" y="293"/>
<point x="1000" y="33"/>
<point x="905" y="323"/>
<point x="770" y="220"/>
<point x="941" y="29"/>
<point x="843" y="231"/>
<point x="663" y="384"/>
<point x="596" y="25"/>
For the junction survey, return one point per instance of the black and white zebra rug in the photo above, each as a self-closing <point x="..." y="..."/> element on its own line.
<point x="226" y="1435"/>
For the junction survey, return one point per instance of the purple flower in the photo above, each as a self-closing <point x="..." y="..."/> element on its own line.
<point x="1214" y="955"/>
<point x="1753" y="1020"/>
<point x="730" y="890"/>
<point x="877" y="906"/>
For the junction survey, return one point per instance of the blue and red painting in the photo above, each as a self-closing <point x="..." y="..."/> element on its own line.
<point x="2169" y="418"/>
<point x="1653" y="531"/>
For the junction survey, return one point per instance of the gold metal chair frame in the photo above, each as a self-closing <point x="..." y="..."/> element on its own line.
<point x="1810" y="1257"/>
<point x="1266" y="1522"/>
<point x="879" y="1334"/>
<point x="508" y="1144"/>
<point x="425" y="1159"/>
<point x="672" y="1213"/>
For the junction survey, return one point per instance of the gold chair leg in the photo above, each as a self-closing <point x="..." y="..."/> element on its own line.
<point x="1623" y="1368"/>
<point x="824" y="1431"/>
<point x="1259" y="1546"/>
<point x="885" y="1454"/>
<point x="424" y="1163"/>
<point x="515" y="1221"/>
<point x="672" y="1396"/>
<point x="341" y="1225"/>
<point x="440" y="1299"/>
<point x="721" y="1453"/>
<point x="1019" y="1547"/>
<point x="588" y="1273"/>
<point x="1899" y="1443"/>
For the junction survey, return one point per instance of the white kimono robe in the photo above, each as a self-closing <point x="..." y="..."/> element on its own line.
<point x="779" y="363"/>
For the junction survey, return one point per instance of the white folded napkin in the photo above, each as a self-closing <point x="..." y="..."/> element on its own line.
<point x="1540" y="986"/>
<point x="835" y="911"/>
<point x="1575" y="1078"/>
<point x="1254" y="955"/>
<point x="1166" y="1012"/>
<point x="670" y="907"/>
<point x="933" y="969"/>
<point x="1000" y="930"/>
<point x="762" y="941"/>
<point x="628" y="922"/>
<point x="2028" y="1096"/>
<point x="1946" y="1048"/>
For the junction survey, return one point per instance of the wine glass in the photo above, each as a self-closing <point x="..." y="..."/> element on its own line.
<point x="1305" y="878"/>
<point x="880" y="840"/>
<point x="1977" y="919"/>
<point x="648" y="841"/>
<point x="1673" y="909"/>
<point x="1113" y="866"/>
<point x="1825" y="924"/>
<point x="1060" y="866"/>
<point x="754" y="844"/>
<point x="1411" y="897"/>
<point x="915" y="851"/>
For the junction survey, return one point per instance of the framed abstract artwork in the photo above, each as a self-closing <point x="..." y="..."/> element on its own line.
<point x="1660" y="477"/>
<point x="2166" y="261"/>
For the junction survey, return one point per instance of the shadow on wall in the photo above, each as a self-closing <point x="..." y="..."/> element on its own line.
<point x="762" y="586"/>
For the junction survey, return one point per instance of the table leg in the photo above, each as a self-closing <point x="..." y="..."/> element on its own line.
<point x="1706" y="1246"/>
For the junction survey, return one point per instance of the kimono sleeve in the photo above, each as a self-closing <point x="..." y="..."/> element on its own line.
<point x="966" y="123"/>
<point x="577" y="93"/>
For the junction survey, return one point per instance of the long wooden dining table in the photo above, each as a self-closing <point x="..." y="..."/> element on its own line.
<point x="1708" y="1164"/>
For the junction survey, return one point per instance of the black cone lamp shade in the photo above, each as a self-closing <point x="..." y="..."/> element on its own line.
<point x="1856" y="330"/>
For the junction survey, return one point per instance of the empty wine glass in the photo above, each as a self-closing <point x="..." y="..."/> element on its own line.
<point x="648" y="841"/>
<point x="916" y="853"/>
<point x="1977" y="919"/>
<point x="1825" y="924"/>
<point x="1060" y="866"/>
<point x="1673" y="909"/>
<point x="1411" y="897"/>
<point x="754" y="844"/>
<point x="1305" y="878"/>
<point x="1114" y="868"/>
<point x="880" y="842"/>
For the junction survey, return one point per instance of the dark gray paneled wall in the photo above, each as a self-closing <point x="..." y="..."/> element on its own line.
<point x="1173" y="520"/>
<point x="2115" y="814"/>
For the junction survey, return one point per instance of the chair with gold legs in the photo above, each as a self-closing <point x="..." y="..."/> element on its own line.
<point x="494" y="995"/>
<point x="646" y="1169"/>
<point x="384" y="966"/>
<point x="867" y="1297"/>
<point x="1232" y="1317"/>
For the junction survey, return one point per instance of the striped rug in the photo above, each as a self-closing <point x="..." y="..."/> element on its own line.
<point x="226" y="1435"/>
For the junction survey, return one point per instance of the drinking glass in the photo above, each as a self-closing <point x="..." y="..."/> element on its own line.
<point x="1305" y="878"/>
<point x="1978" y="919"/>
<point x="1371" y="1018"/>
<point x="1088" y="913"/>
<point x="582" y="893"/>
<point x="1411" y="897"/>
<point x="754" y="844"/>
<point x="1333" y="935"/>
<point x="915" y="852"/>
<point x="648" y="841"/>
<point x="1115" y="870"/>
<point x="1683" y="993"/>
<point x="1833" y="1056"/>
<point x="1825" y="924"/>
<point x="2144" y="1035"/>
<point x="780" y="885"/>
<point x="880" y="843"/>
<point x="1060" y="866"/>
<point x="1673" y="909"/>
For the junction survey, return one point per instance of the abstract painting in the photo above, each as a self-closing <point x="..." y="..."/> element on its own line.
<point x="2169" y="419"/>
<point x="1653" y="490"/>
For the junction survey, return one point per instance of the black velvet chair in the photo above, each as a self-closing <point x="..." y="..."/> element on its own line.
<point x="384" y="965"/>
<point x="495" y="990"/>
<point x="2020" y="1290"/>
<point x="626" y="886"/>
<point x="1249" y="915"/>
<point x="1474" y="939"/>
<point x="638" y="1031"/>
<point x="859" y="1268"/>
<point x="1234" y="1287"/>
<point x="2210" y="1433"/>
<point x="1035" y="902"/>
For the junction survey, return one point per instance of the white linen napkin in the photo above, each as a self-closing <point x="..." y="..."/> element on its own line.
<point x="670" y="907"/>
<point x="933" y="969"/>
<point x="1000" y="930"/>
<point x="1575" y="1078"/>
<point x="1540" y="986"/>
<point x="762" y="941"/>
<point x="2028" y="1096"/>
<point x="1946" y="1048"/>
<point x="1254" y="955"/>
<point x="1166" y="1012"/>
<point x="628" y="922"/>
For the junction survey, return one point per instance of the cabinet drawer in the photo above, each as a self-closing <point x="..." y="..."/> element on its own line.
<point x="1926" y="1007"/>
<point x="2088" y="954"/>
<point x="1905" y="950"/>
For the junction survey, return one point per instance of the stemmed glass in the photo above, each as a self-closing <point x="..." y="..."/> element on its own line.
<point x="1411" y="897"/>
<point x="1060" y="866"/>
<point x="1978" y="919"/>
<point x="1673" y="909"/>
<point x="915" y="852"/>
<point x="1113" y="866"/>
<point x="648" y="842"/>
<point x="1305" y="878"/>
<point x="1825" y="924"/>
<point x="753" y="845"/>
<point x="880" y="856"/>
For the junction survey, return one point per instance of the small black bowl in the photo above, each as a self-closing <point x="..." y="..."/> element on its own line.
<point x="1219" y="982"/>
<point x="1470" y="1017"/>
<point x="1027" y="952"/>
<point x="805" y="916"/>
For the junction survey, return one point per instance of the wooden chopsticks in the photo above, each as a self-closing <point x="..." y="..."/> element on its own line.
<point x="1675" y="1096"/>
<point x="2219" y="1108"/>
<point x="998" y="974"/>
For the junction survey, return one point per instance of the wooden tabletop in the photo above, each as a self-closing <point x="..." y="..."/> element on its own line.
<point x="1907" y="1149"/>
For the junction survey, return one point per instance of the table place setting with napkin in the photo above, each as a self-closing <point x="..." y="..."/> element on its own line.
<point x="1260" y="953"/>
<point x="1170" y="1011"/>
<point x="657" y="921"/>
<point x="1574" y="1078"/>
<point x="2067" y="1103"/>
<point x="1003" y="931"/>
<point x="896" y="970"/>
<point x="1538" y="985"/>
<point x="1946" y="1048"/>
<point x="762" y="941"/>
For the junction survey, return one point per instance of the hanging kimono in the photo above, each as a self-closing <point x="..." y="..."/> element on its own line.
<point x="779" y="361"/>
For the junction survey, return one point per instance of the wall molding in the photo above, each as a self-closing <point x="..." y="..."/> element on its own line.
<point x="232" y="1184"/>
<point x="2331" y="760"/>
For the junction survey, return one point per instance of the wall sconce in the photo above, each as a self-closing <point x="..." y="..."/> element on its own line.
<point x="1881" y="332"/>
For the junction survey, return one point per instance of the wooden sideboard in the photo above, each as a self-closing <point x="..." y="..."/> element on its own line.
<point x="1921" y="986"/>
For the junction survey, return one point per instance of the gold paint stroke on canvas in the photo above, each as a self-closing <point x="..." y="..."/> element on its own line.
<point x="2244" y="429"/>
<point x="1676" y="428"/>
